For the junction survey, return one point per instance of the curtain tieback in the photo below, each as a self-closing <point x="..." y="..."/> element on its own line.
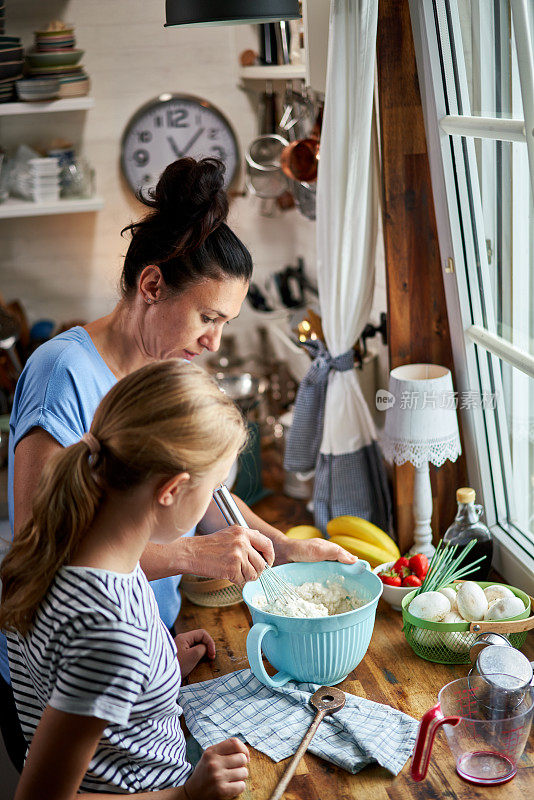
<point x="306" y="432"/>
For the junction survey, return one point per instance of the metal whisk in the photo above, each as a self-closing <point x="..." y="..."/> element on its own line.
<point x="274" y="587"/>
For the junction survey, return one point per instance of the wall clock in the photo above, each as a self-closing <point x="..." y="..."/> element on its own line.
<point x="172" y="126"/>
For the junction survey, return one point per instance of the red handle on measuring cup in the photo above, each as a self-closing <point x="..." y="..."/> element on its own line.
<point x="428" y="727"/>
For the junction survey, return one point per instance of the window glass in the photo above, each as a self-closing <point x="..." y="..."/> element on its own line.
<point x="490" y="59"/>
<point x="485" y="209"/>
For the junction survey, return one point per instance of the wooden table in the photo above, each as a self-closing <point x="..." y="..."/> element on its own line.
<point x="390" y="673"/>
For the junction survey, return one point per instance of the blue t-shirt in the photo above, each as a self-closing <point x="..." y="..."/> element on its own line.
<point x="59" y="390"/>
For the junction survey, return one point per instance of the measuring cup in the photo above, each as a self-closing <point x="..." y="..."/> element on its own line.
<point x="486" y="736"/>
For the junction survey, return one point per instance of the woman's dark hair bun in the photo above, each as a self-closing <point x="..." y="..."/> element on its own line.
<point x="190" y="196"/>
<point x="185" y="232"/>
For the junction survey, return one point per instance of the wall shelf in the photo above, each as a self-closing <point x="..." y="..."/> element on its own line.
<point x="13" y="208"/>
<point x="280" y="72"/>
<point x="47" y="106"/>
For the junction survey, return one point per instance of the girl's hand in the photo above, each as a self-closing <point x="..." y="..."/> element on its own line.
<point x="191" y="647"/>
<point x="220" y="773"/>
<point x="311" y="550"/>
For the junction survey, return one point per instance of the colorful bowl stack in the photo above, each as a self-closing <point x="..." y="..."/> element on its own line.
<point x="11" y="59"/>
<point x="55" y="56"/>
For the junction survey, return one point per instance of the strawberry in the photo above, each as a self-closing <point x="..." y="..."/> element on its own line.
<point x="400" y="565"/>
<point x="419" y="565"/>
<point x="390" y="578"/>
<point x="411" y="580"/>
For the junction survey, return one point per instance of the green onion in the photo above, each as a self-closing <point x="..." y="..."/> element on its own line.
<point x="445" y="567"/>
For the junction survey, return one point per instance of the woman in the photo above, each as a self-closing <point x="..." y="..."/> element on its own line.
<point x="185" y="276"/>
<point x="95" y="671"/>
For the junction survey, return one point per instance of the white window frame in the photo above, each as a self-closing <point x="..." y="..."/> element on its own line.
<point x="478" y="350"/>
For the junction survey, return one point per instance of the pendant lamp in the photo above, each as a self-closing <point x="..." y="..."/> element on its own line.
<point x="194" y="13"/>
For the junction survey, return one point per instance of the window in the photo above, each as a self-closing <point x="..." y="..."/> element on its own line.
<point x="477" y="83"/>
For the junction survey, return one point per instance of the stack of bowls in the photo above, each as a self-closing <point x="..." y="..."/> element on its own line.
<point x="55" y="56"/>
<point x="35" y="89"/>
<point x="11" y="63"/>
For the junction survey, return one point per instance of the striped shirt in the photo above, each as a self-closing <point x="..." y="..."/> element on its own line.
<point x="99" y="648"/>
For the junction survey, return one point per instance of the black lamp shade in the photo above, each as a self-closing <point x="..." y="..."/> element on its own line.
<point x="191" y="13"/>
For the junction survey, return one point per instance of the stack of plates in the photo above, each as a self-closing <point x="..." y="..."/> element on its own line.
<point x="33" y="89"/>
<point x="42" y="185"/>
<point x="54" y="40"/>
<point x="10" y="65"/>
<point x="55" y="56"/>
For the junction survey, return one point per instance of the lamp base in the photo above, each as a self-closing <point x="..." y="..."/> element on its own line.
<point x="422" y="513"/>
<point x="427" y="549"/>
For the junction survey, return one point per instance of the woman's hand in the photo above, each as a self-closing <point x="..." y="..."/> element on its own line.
<point x="220" y="773"/>
<point x="311" y="550"/>
<point x="191" y="647"/>
<point x="235" y="553"/>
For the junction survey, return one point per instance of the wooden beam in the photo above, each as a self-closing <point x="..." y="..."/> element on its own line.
<point x="417" y="313"/>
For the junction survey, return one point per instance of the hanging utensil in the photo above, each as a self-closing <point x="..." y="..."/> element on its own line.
<point x="264" y="178"/>
<point x="267" y="118"/>
<point x="299" y="160"/>
<point x="325" y="700"/>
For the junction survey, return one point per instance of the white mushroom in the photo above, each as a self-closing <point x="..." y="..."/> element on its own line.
<point x="505" y="608"/>
<point x="471" y="600"/>
<point x="430" y="606"/>
<point x="456" y="641"/>
<point x="450" y="594"/>
<point x="497" y="591"/>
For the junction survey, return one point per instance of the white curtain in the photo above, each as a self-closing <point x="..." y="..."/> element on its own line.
<point x="332" y="427"/>
<point x="347" y="214"/>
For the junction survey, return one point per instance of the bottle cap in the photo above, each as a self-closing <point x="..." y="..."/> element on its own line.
<point x="465" y="495"/>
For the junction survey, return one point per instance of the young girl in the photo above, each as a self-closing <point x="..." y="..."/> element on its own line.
<point x="95" y="672"/>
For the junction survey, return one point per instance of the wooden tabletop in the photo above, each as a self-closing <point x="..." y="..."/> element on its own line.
<point x="390" y="673"/>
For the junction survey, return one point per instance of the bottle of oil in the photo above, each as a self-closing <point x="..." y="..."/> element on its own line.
<point x="467" y="526"/>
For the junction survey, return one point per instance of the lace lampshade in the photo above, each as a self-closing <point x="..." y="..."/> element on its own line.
<point x="421" y="422"/>
<point x="421" y="428"/>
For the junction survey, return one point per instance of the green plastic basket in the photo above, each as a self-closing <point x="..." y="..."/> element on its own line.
<point x="449" y="643"/>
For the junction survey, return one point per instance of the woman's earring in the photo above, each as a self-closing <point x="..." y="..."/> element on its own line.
<point x="148" y="299"/>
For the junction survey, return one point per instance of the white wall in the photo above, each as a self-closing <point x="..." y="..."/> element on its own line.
<point x="67" y="267"/>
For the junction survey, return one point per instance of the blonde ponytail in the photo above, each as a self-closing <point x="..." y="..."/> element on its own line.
<point x="163" y="419"/>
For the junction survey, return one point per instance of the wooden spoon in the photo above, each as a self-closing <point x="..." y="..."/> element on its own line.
<point x="325" y="700"/>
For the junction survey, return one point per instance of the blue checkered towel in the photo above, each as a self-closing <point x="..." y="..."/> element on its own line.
<point x="275" y="720"/>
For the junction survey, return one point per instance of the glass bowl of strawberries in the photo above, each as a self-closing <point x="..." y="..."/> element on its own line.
<point x="401" y="576"/>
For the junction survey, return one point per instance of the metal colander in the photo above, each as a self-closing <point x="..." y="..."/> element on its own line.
<point x="449" y="643"/>
<point x="211" y="592"/>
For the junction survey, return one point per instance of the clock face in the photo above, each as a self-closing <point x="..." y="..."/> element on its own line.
<point x="171" y="127"/>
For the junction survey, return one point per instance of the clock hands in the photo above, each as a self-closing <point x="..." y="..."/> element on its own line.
<point x="173" y="147"/>
<point x="192" y="141"/>
<point x="189" y="145"/>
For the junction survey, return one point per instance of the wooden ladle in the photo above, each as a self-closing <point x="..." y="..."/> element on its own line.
<point x="325" y="700"/>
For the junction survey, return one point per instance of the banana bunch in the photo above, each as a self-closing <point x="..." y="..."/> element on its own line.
<point x="304" y="532"/>
<point x="363" y="539"/>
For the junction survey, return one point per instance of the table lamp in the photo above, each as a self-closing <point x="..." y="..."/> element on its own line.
<point x="421" y="428"/>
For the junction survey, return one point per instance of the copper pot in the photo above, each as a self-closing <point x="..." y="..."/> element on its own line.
<point x="299" y="160"/>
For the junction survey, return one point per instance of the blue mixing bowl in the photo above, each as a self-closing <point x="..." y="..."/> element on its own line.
<point x="320" y="649"/>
